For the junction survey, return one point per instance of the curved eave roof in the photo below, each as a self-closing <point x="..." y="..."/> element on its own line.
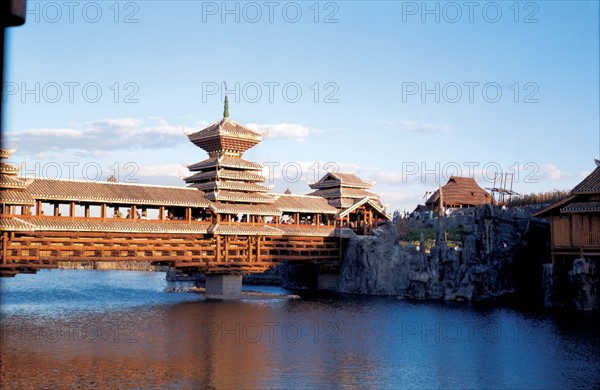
<point x="6" y="153"/>
<point x="225" y="127"/>
<point x="225" y="162"/>
<point x="368" y="201"/>
<point x="303" y="204"/>
<point x="230" y="185"/>
<point x="118" y="193"/>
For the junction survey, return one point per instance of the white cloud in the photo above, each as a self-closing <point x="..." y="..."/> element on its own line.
<point x="98" y="137"/>
<point x="416" y="127"/>
<point x="120" y="122"/>
<point x="552" y="172"/>
<point x="69" y="133"/>
<point x="296" y="132"/>
<point x="170" y="170"/>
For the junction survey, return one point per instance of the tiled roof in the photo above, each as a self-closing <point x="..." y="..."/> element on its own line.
<point x="244" y="230"/>
<point x="307" y="230"/>
<point x="229" y="185"/>
<point x="553" y="208"/>
<point x="114" y="225"/>
<point x="342" y="192"/>
<point x="8" y="181"/>
<point x="122" y="193"/>
<point x="340" y="179"/>
<point x="225" y="174"/>
<point x="226" y="162"/>
<point x="237" y="196"/>
<point x="225" y="137"/>
<point x="225" y="126"/>
<point x="372" y="202"/>
<point x="16" y="196"/>
<point x="461" y="191"/>
<point x="14" y="224"/>
<point x="591" y="184"/>
<point x="303" y="204"/>
<point x="5" y="153"/>
<point x="9" y="168"/>
<point x="254" y="209"/>
<point x="341" y="203"/>
<point x="581" y="207"/>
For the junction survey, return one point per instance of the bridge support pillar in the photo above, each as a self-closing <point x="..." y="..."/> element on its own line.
<point x="223" y="286"/>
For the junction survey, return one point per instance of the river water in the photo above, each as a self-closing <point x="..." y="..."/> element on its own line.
<point x="122" y="329"/>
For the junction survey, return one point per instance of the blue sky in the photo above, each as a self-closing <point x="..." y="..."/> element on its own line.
<point x="513" y="87"/>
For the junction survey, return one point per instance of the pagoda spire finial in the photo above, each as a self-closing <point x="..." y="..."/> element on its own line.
<point x="226" y="109"/>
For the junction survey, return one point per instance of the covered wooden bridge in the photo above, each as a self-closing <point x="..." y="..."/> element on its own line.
<point x="224" y="223"/>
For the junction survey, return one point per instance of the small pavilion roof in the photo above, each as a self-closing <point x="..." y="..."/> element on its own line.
<point x="225" y="136"/>
<point x="340" y="179"/>
<point x="343" y="192"/>
<point x="303" y="204"/>
<point x="376" y="205"/>
<point x="461" y="191"/>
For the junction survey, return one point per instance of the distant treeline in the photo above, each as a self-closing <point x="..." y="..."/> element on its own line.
<point x="539" y="198"/>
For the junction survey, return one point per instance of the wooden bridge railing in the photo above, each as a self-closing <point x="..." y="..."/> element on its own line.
<point x="591" y="239"/>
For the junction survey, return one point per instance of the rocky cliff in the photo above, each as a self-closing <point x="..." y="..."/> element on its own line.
<point x="501" y="256"/>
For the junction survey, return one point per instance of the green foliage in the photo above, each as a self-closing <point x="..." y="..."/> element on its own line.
<point x="413" y="236"/>
<point x="226" y="110"/>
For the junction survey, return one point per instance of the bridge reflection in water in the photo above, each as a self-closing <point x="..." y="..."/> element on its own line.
<point x="139" y="337"/>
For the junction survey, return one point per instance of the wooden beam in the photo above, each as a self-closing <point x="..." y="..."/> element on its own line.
<point x="5" y="248"/>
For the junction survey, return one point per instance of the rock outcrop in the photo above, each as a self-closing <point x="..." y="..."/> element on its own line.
<point x="495" y="261"/>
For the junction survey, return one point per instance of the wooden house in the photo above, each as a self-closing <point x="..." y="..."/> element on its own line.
<point x="575" y="221"/>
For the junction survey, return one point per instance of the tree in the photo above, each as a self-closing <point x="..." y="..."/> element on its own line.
<point x="226" y="110"/>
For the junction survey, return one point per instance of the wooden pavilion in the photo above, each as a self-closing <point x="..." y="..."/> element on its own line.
<point x="459" y="192"/>
<point x="575" y="221"/>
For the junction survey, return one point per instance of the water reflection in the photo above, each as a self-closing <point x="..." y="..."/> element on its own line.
<point x="178" y="340"/>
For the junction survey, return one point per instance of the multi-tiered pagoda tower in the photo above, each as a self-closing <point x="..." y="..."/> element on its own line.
<point x="12" y="187"/>
<point x="225" y="177"/>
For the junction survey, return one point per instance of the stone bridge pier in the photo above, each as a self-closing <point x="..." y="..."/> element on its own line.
<point x="223" y="286"/>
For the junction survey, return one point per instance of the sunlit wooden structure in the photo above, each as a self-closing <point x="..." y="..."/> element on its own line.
<point x="224" y="222"/>
<point x="459" y="192"/>
<point x="575" y="221"/>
